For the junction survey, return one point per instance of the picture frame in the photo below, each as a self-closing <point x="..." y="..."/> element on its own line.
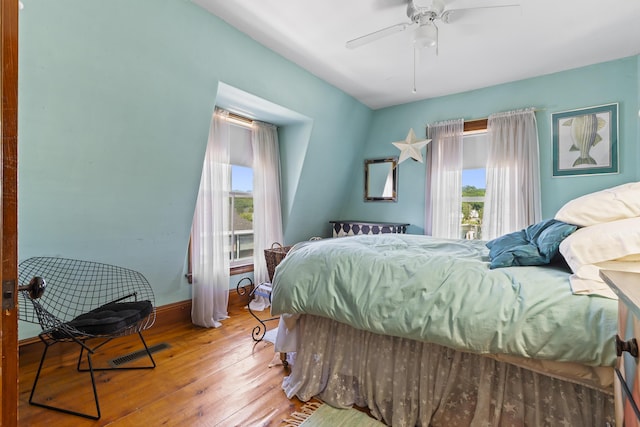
<point x="585" y="141"/>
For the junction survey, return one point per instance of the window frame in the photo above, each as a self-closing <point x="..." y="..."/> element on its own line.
<point x="242" y="121"/>
<point x="233" y="269"/>
<point x="242" y="262"/>
<point x="239" y="269"/>
<point x="245" y="122"/>
<point x="473" y="127"/>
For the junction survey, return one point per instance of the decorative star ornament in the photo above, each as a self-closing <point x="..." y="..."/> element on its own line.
<point x="411" y="147"/>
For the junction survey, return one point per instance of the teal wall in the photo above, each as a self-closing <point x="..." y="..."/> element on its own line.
<point x="115" y="101"/>
<point x="604" y="83"/>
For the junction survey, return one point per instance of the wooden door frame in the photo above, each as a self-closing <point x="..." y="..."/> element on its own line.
<point x="9" y="209"/>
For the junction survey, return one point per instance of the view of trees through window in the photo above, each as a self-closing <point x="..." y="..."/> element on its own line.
<point x="241" y="219"/>
<point x="473" y="190"/>
<point x="244" y="208"/>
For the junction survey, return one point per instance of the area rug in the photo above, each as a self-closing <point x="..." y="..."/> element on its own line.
<point x="318" y="414"/>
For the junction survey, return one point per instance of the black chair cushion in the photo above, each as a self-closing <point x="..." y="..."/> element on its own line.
<point x="111" y="317"/>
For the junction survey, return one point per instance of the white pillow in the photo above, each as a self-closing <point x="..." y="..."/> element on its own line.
<point x="610" y="241"/>
<point x="607" y="205"/>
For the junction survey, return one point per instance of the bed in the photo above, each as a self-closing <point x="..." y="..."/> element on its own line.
<point x="421" y="331"/>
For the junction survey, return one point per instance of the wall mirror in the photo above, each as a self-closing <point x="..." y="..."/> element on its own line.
<point x="381" y="179"/>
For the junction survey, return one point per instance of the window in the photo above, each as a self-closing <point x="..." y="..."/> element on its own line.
<point x="241" y="216"/>
<point x="241" y="197"/>
<point x="245" y="231"/>
<point x="475" y="148"/>
<point x="241" y="202"/>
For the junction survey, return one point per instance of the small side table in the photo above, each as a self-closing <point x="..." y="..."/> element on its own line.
<point x="626" y="286"/>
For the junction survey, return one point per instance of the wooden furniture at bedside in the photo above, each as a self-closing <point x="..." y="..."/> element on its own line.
<point x="626" y="285"/>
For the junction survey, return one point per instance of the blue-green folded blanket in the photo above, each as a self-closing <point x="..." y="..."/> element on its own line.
<point x="443" y="291"/>
<point x="535" y="245"/>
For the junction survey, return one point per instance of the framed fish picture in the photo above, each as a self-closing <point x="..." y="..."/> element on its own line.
<point x="585" y="141"/>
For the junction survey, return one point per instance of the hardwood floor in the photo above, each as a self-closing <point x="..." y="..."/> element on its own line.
<point x="208" y="377"/>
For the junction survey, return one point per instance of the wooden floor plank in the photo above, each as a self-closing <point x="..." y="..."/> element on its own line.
<point x="207" y="377"/>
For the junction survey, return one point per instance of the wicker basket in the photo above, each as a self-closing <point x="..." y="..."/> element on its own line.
<point x="273" y="257"/>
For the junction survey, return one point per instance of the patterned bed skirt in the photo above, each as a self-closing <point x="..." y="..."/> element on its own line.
<point x="410" y="383"/>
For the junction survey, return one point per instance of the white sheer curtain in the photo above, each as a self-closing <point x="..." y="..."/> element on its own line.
<point x="444" y="179"/>
<point x="210" y="244"/>
<point x="267" y="218"/>
<point x="512" y="200"/>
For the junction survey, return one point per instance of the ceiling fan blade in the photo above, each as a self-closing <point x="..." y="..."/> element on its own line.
<point x="376" y="35"/>
<point x="484" y="7"/>
<point x="449" y="13"/>
<point x="464" y="9"/>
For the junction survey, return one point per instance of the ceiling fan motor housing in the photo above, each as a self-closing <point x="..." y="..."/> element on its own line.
<point x="422" y="15"/>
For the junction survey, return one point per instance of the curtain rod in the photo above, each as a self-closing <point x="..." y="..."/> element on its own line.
<point x="240" y="118"/>
<point x="472" y="125"/>
<point x="235" y="117"/>
<point x="487" y="118"/>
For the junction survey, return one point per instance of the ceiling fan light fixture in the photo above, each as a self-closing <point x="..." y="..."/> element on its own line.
<point x="426" y="35"/>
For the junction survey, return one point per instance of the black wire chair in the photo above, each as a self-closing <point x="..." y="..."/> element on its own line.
<point x="86" y="303"/>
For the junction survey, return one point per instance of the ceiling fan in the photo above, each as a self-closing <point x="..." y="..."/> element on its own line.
<point x="426" y="35"/>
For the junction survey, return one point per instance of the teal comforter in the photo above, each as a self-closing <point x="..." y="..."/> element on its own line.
<point x="442" y="291"/>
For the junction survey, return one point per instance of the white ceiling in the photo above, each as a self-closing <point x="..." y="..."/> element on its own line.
<point x="477" y="48"/>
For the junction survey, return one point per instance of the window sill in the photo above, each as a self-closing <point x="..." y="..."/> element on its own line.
<point x="240" y="269"/>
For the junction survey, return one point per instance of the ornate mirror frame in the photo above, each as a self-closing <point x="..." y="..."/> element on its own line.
<point x="381" y="180"/>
